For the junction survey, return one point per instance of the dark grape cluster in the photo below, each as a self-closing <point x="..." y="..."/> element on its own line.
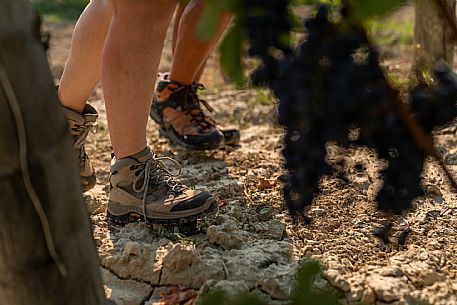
<point x="268" y="24"/>
<point x="435" y="105"/>
<point x="333" y="82"/>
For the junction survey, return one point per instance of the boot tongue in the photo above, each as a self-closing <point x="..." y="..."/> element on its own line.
<point x="142" y="156"/>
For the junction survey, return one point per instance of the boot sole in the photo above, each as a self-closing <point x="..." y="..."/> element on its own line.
<point x="133" y="215"/>
<point x="228" y="140"/>
<point x="177" y="142"/>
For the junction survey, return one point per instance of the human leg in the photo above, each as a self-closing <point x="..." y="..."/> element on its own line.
<point x="140" y="182"/>
<point x="80" y="75"/>
<point x="178" y="14"/>
<point x="190" y="52"/>
<point x="83" y="68"/>
<point x="176" y="104"/>
<point x="130" y="60"/>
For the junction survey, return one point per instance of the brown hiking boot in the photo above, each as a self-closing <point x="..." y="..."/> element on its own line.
<point x="142" y="187"/>
<point x="80" y="125"/>
<point x="177" y="109"/>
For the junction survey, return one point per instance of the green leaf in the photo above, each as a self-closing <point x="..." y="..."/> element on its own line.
<point x="248" y="299"/>
<point x="305" y="293"/>
<point x="212" y="298"/>
<point x="231" y="53"/>
<point x="211" y="16"/>
<point x="362" y="10"/>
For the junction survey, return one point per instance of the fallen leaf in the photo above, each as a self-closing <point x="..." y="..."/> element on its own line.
<point x="178" y="296"/>
<point x="264" y="183"/>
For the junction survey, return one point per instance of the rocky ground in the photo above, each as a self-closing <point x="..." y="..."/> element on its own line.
<point x="251" y="245"/>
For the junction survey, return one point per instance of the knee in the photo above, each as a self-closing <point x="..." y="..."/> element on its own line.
<point x="104" y="7"/>
<point x="140" y="8"/>
<point x="106" y="4"/>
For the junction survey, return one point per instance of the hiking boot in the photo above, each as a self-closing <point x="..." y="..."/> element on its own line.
<point x="142" y="187"/>
<point x="80" y="125"/>
<point x="177" y="109"/>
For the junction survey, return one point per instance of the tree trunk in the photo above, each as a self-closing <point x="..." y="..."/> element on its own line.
<point x="432" y="35"/>
<point x="28" y="273"/>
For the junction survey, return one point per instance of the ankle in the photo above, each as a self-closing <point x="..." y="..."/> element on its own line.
<point x="142" y="153"/>
<point x="132" y="152"/>
<point x="66" y="102"/>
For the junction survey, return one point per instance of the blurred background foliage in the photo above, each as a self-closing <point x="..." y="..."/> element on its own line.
<point x="59" y="10"/>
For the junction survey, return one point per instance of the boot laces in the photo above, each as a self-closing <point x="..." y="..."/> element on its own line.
<point x="80" y="133"/>
<point x="194" y="106"/>
<point x="154" y="171"/>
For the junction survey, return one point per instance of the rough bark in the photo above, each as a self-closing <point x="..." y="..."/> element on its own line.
<point x="432" y="35"/>
<point x="28" y="274"/>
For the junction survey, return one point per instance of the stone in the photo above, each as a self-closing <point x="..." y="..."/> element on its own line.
<point x="336" y="280"/>
<point x="390" y="271"/>
<point x="131" y="260"/>
<point x="132" y="248"/>
<point x="387" y="289"/>
<point x="265" y="214"/>
<point x="422" y="274"/>
<point x="369" y="296"/>
<point x="273" y="229"/>
<point x="278" y="281"/>
<point x="225" y="235"/>
<point x="182" y="265"/>
<point x="432" y="277"/>
<point x="357" y="289"/>
<point x="93" y="204"/>
<point x="434" y="193"/>
<point x="251" y="263"/>
<point x="234" y="211"/>
<point x="124" y="292"/>
<point x="139" y="232"/>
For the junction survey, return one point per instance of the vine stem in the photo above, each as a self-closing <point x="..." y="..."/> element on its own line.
<point x="449" y="16"/>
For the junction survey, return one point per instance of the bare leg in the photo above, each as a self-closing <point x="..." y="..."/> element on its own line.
<point x="83" y="68"/>
<point x="130" y="62"/>
<point x="178" y="15"/>
<point x="200" y="71"/>
<point x="190" y="53"/>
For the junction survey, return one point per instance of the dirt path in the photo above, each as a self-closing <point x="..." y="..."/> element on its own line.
<point x="251" y="245"/>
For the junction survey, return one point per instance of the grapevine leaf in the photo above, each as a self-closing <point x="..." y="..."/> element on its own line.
<point x="305" y="293"/>
<point x="364" y="9"/>
<point x="209" y="21"/>
<point x="231" y="53"/>
<point x="213" y="297"/>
